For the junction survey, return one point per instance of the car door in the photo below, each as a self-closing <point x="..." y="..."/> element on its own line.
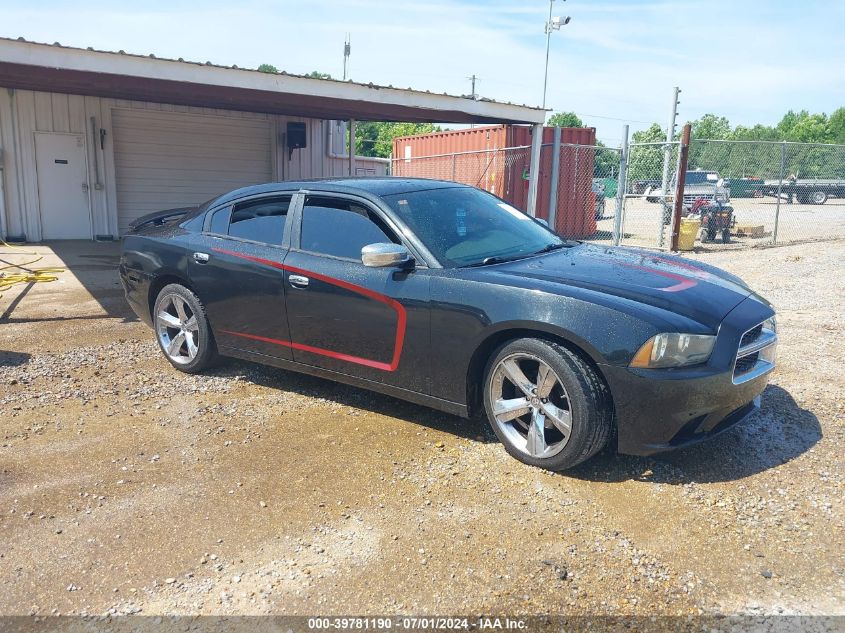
<point x="367" y="322"/>
<point x="236" y="270"/>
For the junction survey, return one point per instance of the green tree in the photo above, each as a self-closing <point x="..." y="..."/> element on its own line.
<point x="711" y="126"/>
<point x="316" y="74"/>
<point x="565" y="119"/>
<point x="373" y="138"/>
<point x="646" y="162"/>
<point x="267" y="68"/>
<point x="836" y="126"/>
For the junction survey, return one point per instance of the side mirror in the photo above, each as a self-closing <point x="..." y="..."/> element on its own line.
<point x="384" y="254"/>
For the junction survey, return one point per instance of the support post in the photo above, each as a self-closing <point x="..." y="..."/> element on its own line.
<point x="621" y="187"/>
<point x="683" y="157"/>
<point x="667" y="152"/>
<point x="534" y="167"/>
<point x="3" y="233"/>
<point x="351" y="147"/>
<point x="780" y="189"/>
<point x="555" y="181"/>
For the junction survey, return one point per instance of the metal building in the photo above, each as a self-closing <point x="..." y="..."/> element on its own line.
<point x="90" y="140"/>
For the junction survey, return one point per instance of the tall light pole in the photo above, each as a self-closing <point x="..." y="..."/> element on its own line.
<point x="553" y="24"/>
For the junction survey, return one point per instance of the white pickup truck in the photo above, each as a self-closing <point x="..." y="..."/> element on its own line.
<point x="698" y="184"/>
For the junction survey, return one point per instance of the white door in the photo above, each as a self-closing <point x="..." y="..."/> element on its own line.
<point x="63" y="186"/>
<point x="166" y="160"/>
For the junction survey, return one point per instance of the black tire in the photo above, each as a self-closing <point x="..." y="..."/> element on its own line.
<point x="590" y="406"/>
<point x="206" y="354"/>
<point x="818" y="197"/>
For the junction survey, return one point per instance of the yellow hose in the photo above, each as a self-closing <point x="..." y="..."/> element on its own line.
<point x="29" y="275"/>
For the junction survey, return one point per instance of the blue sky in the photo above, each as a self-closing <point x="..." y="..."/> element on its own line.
<point x="617" y="60"/>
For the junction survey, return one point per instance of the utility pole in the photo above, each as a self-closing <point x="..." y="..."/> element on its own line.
<point x="473" y="79"/>
<point x="667" y="154"/>
<point x="347" y="49"/>
<point x="474" y="94"/>
<point x="553" y="24"/>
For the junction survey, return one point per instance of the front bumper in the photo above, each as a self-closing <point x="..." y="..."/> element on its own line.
<point x="656" y="415"/>
<point x="660" y="409"/>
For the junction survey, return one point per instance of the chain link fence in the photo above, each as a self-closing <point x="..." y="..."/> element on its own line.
<point x="761" y="193"/>
<point x="646" y="210"/>
<point x="778" y="192"/>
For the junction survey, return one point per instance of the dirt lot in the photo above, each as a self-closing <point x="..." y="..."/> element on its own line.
<point x="128" y="487"/>
<point x="795" y="222"/>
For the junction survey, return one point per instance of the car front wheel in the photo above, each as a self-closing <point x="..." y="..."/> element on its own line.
<point x="182" y="329"/>
<point x="546" y="404"/>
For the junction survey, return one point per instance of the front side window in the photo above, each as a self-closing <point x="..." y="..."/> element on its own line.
<point x="340" y="228"/>
<point x="260" y="220"/>
<point x="464" y="226"/>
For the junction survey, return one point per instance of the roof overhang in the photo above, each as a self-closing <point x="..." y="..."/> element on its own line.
<point x="54" y="68"/>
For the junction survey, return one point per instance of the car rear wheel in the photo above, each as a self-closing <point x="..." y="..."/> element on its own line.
<point x="546" y="405"/>
<point x="182" y="329"/>
<point x="818" y="197"/>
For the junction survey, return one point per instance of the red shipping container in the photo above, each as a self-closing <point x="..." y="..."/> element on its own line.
<point x="476" y="157"/>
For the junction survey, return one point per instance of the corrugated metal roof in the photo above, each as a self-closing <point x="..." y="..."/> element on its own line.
<point x="457" y="103"/>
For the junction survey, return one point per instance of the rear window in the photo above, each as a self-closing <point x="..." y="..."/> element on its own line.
<point x="259" y="220"/>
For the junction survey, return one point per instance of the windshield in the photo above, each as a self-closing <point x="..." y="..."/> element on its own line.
<point x="700" y="177"/>
<point x="463" y="226"/>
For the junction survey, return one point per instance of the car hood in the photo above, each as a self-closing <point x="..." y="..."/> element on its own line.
<point x="693" y="289"/>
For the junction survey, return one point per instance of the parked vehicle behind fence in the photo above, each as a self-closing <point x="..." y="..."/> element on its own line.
<point x="698" y="185"/>
<point x="805" y="191"/>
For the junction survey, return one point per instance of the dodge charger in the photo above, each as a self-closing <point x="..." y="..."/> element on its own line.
<point x="447" y="296"/>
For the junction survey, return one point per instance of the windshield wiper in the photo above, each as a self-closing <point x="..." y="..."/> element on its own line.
<point x="487" y="261"/>
<point x="548" y="248"/>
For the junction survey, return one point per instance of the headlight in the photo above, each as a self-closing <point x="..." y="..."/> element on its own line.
<point x="770" y="324"/>
<point x="674" y="350"/>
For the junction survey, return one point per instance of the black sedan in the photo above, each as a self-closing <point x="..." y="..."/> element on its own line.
<point x="447" y="296"/>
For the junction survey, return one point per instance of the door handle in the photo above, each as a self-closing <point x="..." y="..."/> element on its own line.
<point x="201" y="258"/>
<point x="298" y="281"/>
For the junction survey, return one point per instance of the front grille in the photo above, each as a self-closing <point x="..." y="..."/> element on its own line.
<point x="755" y="355"/>
<point x="745" y="364"/>
<point x="751" y="335"/>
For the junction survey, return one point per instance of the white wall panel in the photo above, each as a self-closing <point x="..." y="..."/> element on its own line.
<point x="208" y="150"/>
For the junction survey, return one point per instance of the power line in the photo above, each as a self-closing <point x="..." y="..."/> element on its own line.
<point x="613" y="118"/>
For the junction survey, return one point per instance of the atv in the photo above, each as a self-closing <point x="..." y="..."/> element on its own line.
<point x="716" y="219"/>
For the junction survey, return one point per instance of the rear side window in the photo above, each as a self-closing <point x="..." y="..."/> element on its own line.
<point x="340" y="228"/>
<point x="220" y="221"/>
<point x="260" y="220"/>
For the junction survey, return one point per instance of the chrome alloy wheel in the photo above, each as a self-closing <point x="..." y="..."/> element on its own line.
<point x="530" y="405"/>
<point x="177" y="329"/>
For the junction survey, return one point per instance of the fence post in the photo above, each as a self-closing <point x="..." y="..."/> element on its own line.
<point x="555" y="181"/>
<point x="780" y="188"/>
<point x="683" y="156"/>
<point x="351" y="147"/>
<point x="534" y="169"/>
<point x="454" y="167"/>
<point x="621" y="186"/>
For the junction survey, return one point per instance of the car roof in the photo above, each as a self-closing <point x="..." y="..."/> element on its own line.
<point x="375" y="186"/>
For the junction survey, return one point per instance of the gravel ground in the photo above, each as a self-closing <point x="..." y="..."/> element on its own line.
<point x="127" y="487"/>
<point x="796" y="222"/>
